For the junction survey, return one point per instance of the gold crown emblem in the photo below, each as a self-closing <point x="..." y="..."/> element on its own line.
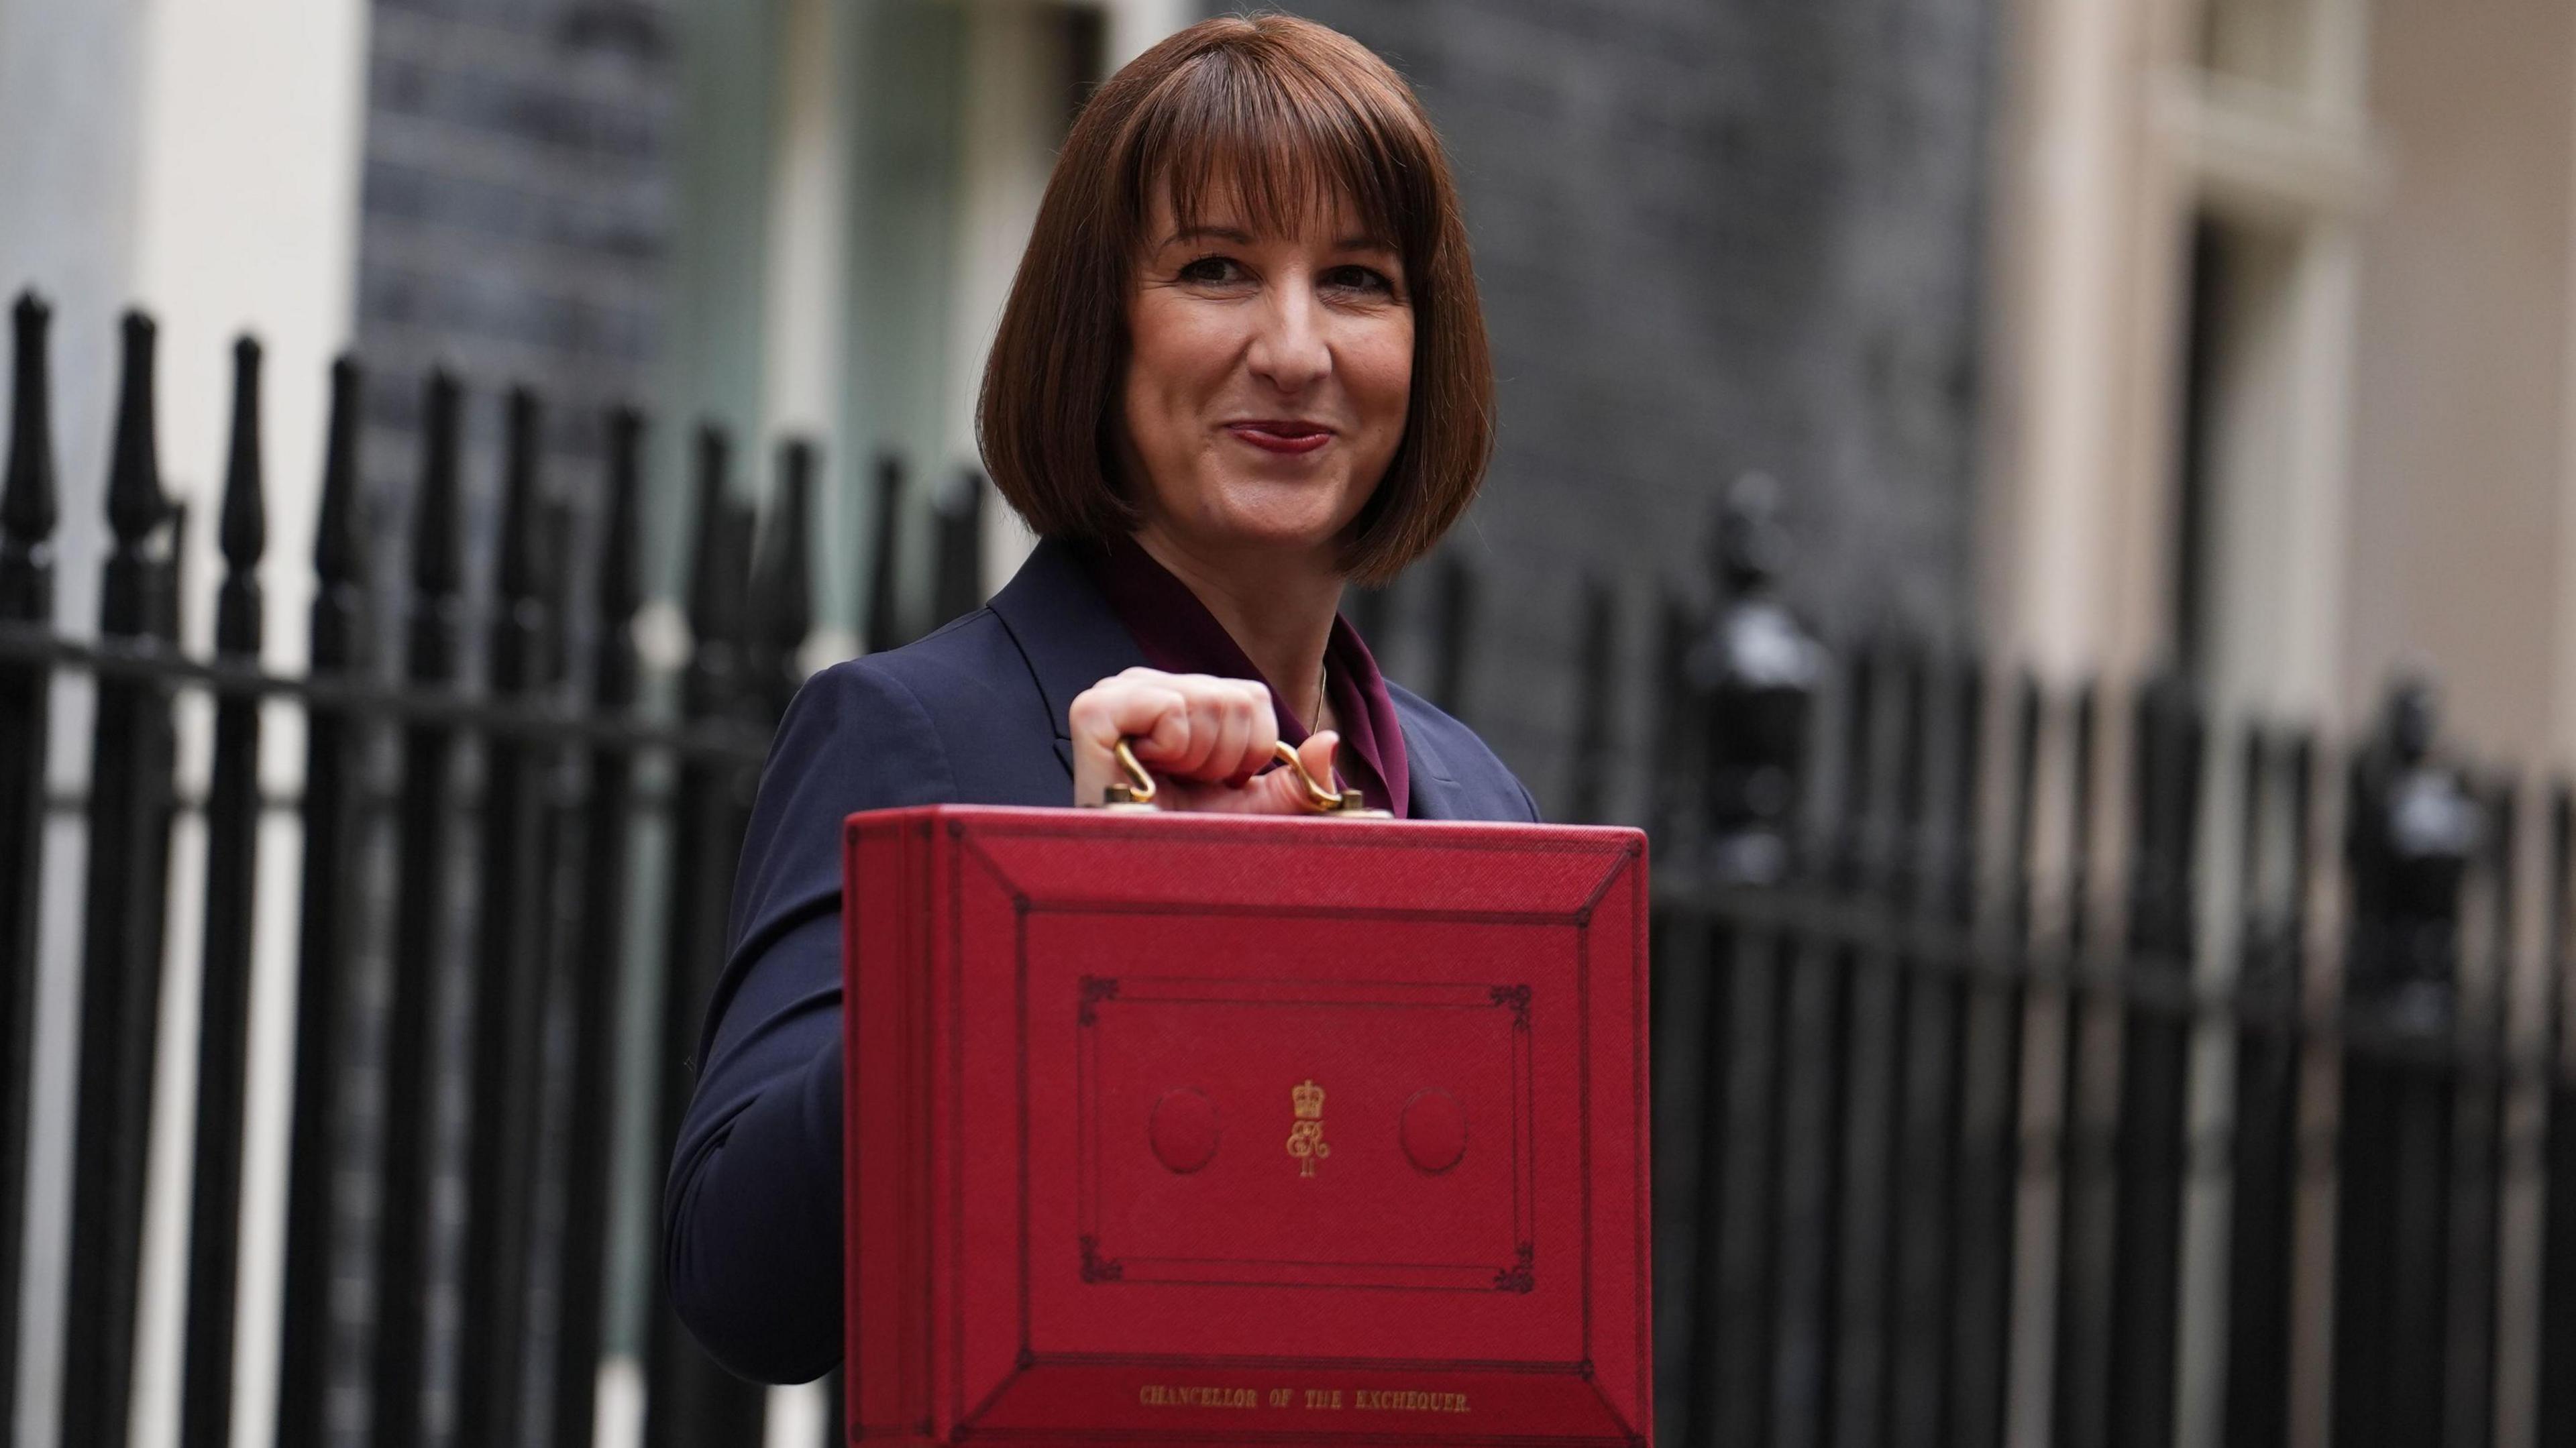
<point x="1309" y="1101"/>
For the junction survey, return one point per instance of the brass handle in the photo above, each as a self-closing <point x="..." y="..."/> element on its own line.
<point x="1137" y="790"/>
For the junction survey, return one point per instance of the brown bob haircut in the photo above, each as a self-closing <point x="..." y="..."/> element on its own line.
<point x="1281" y="117"/>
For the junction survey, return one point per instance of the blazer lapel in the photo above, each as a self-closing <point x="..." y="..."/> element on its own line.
<point x="1065" y="631"/>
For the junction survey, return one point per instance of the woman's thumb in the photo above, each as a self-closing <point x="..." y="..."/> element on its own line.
<point x="1317" y="755"/>
<point x="1280" y="791"/>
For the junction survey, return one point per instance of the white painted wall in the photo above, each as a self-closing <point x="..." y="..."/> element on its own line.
<point x="805" y="344"/>
<point x="1013" y="124"/>
<point x="1134" y="25"/>
<point x="199" y="158"/>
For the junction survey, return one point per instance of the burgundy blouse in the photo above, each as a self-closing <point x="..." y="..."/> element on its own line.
<point x="1178" y="635"/>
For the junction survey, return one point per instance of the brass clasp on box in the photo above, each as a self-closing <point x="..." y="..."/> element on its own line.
<point x="1137" y="790"/>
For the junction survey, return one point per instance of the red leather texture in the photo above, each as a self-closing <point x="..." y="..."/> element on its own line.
<point x="1185" y="1130"/>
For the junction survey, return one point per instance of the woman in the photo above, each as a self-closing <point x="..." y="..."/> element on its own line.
<point x="1242" y="363"/>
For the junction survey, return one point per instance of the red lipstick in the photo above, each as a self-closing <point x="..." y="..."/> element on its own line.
<point x="1282" y="435"/>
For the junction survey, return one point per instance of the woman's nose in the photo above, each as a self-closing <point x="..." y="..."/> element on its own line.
<point x="1289" y="350"/>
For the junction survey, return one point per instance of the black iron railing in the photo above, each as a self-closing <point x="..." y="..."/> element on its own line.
<point x="2033" y="1064"/>
<point x="511" y="801"/>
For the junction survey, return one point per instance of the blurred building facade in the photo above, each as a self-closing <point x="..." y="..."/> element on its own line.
<point x="2280" y="354"/>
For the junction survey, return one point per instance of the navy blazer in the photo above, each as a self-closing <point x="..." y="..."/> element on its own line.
<point x="974" y="714"/>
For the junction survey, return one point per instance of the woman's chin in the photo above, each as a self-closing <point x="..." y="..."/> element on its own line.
<point x="1270" y="517"/>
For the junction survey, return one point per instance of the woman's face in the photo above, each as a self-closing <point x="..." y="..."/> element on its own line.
<point x="1267" y="378"/>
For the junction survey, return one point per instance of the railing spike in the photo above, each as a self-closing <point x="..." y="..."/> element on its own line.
<point x="339" y="539"/>
<point x="706" y="571"/>
<point x="884" y="630"/>
<point x="958" y="583"/>
<point x="1455" y="634"/>
<point x="733" y="577"/>
<point x="28" y="504"/>
<point x="135" y="503"/>
<point x="555" y="529"/>
<point x="522" y="543"/>
<point x="243" y="529"/>
<point x="1588" y="792"/>
<point x="335" y="745"/>
<point x="621" y="583"/>
<point x="437" y="558"/>
<point x="782" y="589"/>
<point x="27" y="518"/>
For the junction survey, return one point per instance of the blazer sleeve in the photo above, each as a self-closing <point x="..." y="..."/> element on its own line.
<point x="752" y="1210"/>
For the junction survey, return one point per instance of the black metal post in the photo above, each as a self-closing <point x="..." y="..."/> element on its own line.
<point x="1680" y="1009"/>
<point x="1990" y="1119"/>
<point x="223" y="1012"/>
<point x="1808" y="1320"/>
<point x="1587" y="792"/>
<point x="1872" y="1051"/>
<point x="1930" y="1128"/>
<point x="958" y="585"/>
<point x="1684" y="1011"/>
<point x="2477" y="1160"/>
<point x="27" y="516"/>
<point x="130" y="809"/>
<point x="333" y="784"/>
<point x="2086" y="1187"/>
<point x="509" y="971"/>
<point x="1453" y="636"/>
<point x="781" y="608"/>
<point x="2557" y="1409"/>
<point x="403" y="1278"/>
<point x="598" y="956"/>
<point x="2262" y="1237"/>
<point x="883" y="626"/>
<point x="690" y="1400"/>
<point x="2155" y="1063"/>
<point x="2412" y="829"/>
<point x="1674" y="791"/>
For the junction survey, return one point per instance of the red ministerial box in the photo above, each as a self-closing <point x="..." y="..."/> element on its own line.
<point x="1188" y="1130"/>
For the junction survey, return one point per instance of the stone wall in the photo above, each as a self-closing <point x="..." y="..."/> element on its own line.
<point x="1713" y="237"/>
<point x="517" y="214"/>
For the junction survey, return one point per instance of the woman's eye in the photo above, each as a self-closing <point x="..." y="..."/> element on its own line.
<point x="1212" y="271"/>
<point x="1359" y="279"/>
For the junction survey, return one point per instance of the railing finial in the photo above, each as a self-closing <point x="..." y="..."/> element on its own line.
<point x="28" y="506"/>
<point x="782" y="585"/>
<point x="437" y="558"/>
<point x="882" y="628"/>
<point x="243" y="529"/>
<point x="522" y="543"/>
<point x="135" y="503"/>
<point x="706" y="568"/>
<point x="621" y="578"/>
<point x="339" y="539"/>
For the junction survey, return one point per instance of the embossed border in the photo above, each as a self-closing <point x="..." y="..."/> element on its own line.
<point x="1094" y="995"/>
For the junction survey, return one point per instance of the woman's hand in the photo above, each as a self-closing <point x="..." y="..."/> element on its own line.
<point x="1205" y="739"/>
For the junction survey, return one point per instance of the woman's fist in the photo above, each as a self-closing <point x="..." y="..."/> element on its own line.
<point x="1205" y="739"/>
